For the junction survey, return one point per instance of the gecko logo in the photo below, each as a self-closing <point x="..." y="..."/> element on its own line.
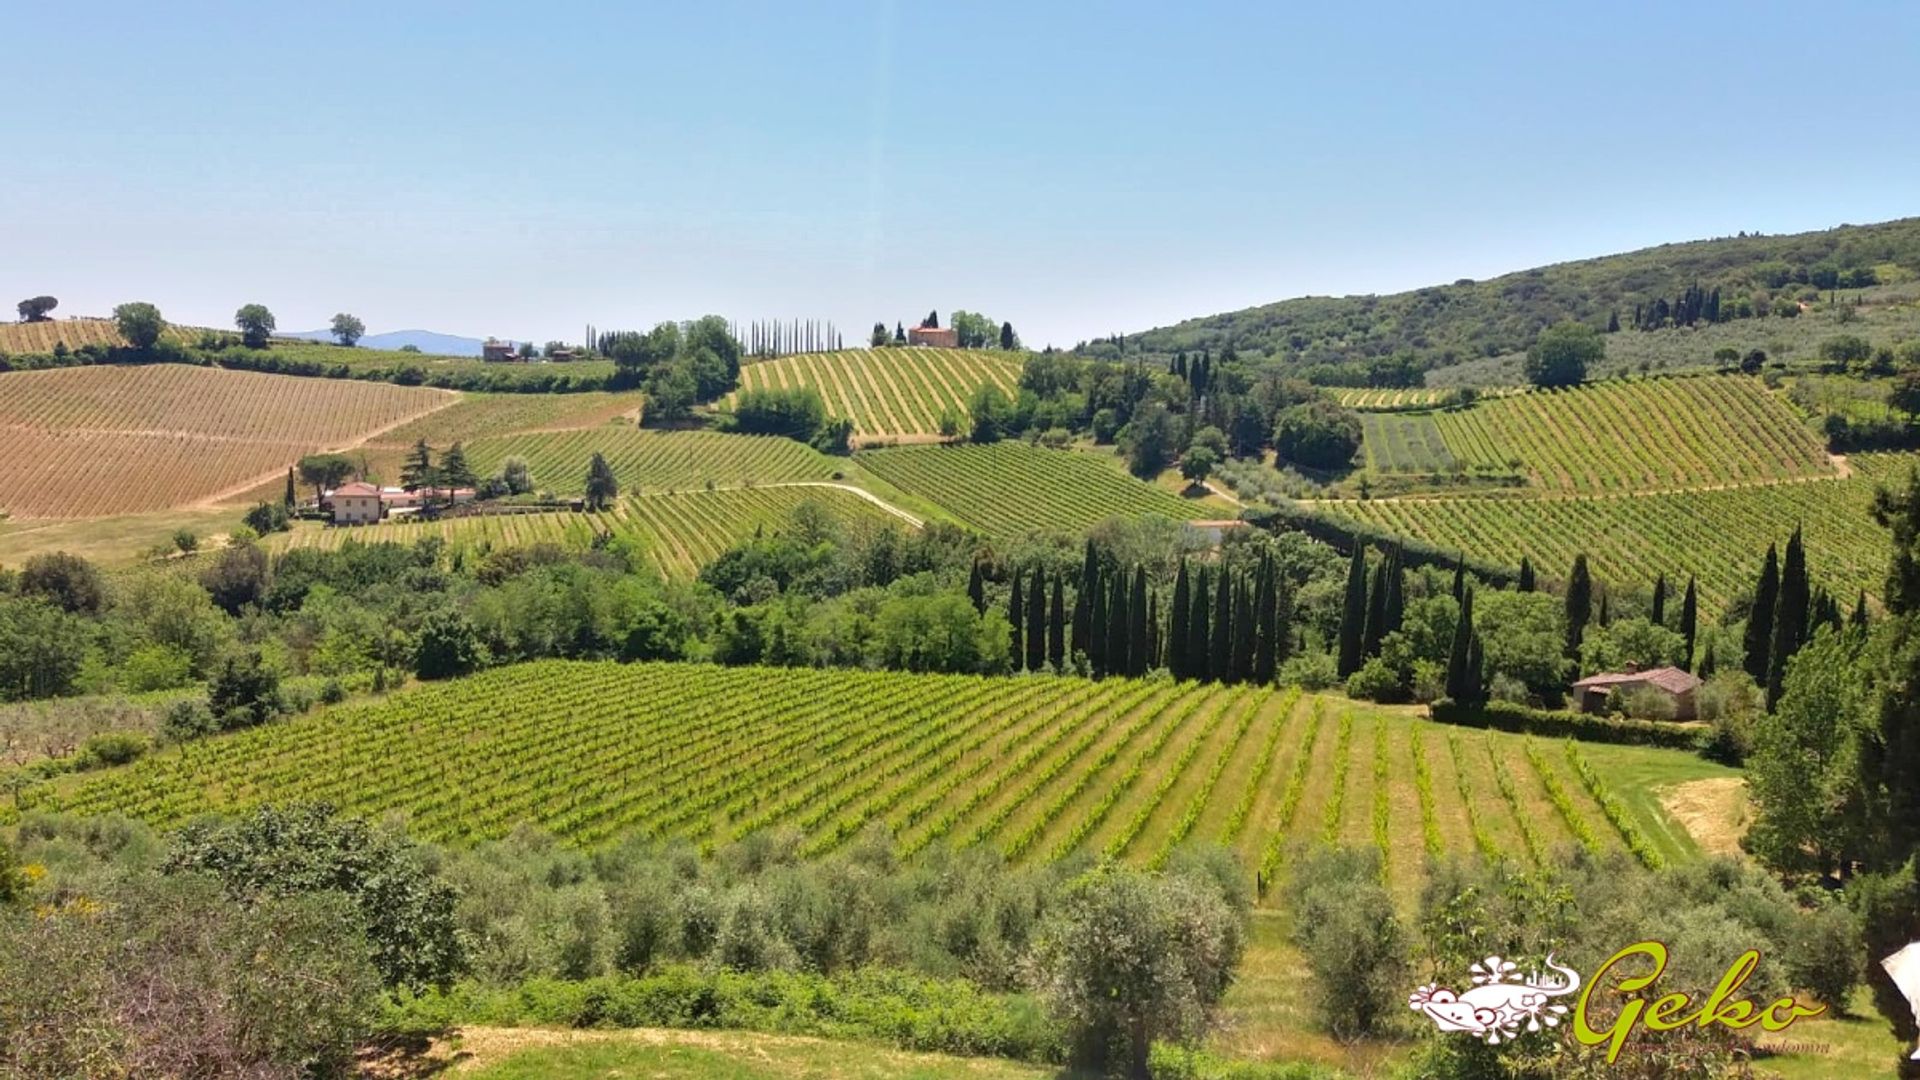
<point x="1500" y="1002"/>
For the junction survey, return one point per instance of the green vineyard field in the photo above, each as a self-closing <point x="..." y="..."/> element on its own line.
<point x="1719" y="536"/>
<point x="1396" y="443"/>
<point x="680" y="532"/>
<point x="646" y="460"/>
<point x="482" y="415"/>
<point x="1040" y="768"/>
<point x="1638" y="435"/>
<point x="890" y="393"/>
<point x="1008" y="488"/>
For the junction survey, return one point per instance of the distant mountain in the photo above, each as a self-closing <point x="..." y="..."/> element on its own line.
<point x="1444" y="325"/>
<point x="425" y="340"/>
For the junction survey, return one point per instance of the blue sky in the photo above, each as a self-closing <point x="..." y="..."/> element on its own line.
<point x="521" y="170"/>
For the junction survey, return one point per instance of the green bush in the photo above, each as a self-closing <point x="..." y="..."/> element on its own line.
<point x="1502" y="716"/>
<point x="1376" y="681"/>
<point x="1346" y="926"/>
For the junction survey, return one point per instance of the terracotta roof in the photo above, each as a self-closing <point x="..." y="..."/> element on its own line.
<point x="1670" y="679"/>
<point x="356" y="488"/>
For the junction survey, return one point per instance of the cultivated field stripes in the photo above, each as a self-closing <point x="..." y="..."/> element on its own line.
<point x="1404" y="444"/>
<point x="1631" y="435"/>
<point x="44" y="336"/>
<point x="481" y="415"/>
<point x="645" y="460"/>
<point x="892" y="392"/>
<point x="1037" y="768"/>
<point x="1720" y="536"/>
<point x="1009" y="488"/>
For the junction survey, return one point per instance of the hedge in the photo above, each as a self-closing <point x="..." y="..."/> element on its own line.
<point x="1344" y="533"/>
<point x="1519" y="719"/>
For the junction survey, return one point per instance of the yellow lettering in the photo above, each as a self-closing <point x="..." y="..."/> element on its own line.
<point x="1661" y="1018"/>
<point x="1795" y="1011"/>
<point x="1616" y="1036"/>
<point x="1737" y="1014"/>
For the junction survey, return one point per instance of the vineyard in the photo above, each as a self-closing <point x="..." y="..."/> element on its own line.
<point x="101" y="441"/>
<point x="1008" y="488"/>
<point x="893" y="392"/>
<point x="42" y="337"/>
<point x="1718" y="536"/>
<point x="481" y="415"/>
<point x="647" y="460"/>
<point x="679" y="532"/>
<point x="1039" y="768"/>
<point x="1397" y="443"/>
<point x="1640" y="434"/>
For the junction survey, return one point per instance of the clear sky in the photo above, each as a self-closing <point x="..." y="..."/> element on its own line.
<point x="521" y="170"/>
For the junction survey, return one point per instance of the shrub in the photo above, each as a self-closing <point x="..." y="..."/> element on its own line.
<point x="1823" y="957"/>
<point x="1375" y="681"/>
<point x="1519" y="719"/>
<point x="188" y="719"/>
<point x="112" y="748"/>
<point x="1346" y="926"/>
<point x="1310" y="671"/>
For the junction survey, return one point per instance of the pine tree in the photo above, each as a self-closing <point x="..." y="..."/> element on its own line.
<point x="1017" y="621"/>
<point x="1790" y="616"/>
<point x="1266" y="625"/>
<point x="977" y="588"/>
<point x="1138" y="627"/>
<point x="1199" y="643"/>
<point x="1220" y="641"/>
<point x="1689" y="621"/>
<point x="417" y="471"/>
<point x="290" y="498"/>
<point x="1037" y="621"/>
<point x="1659" y="612"/>
<point x="1525" y="582"/>
<point x="1119" y="627"/>
<point x="1579" y="604"/>
<point x="1759" y="637"/>
<point x="1353" y="615"/>
<point x="454" y="470"/>
<point x="1460" y="655"/>
<point x="1177" y="624"/>
<point x="1057" y="628"/>
<point x="1245" y="629"/>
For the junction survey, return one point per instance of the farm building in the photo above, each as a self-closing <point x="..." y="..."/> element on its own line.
<point x="1674" y="686"/>
<point x="1211" y="532"/>
<point x="499" y="351"/>
<point x="354" y="504"/>
<point x="934" y="337"/>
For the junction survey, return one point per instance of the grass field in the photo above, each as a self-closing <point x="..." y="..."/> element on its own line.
<point x="891" y="393"/>
<point x="1719" y="536"/>
<point x="1038" y="767"/>
<point x="105" y="441"/>
<point x="1008" y="488"/>
<point x="1638" y="435"/>
<point x="681" y="532"/>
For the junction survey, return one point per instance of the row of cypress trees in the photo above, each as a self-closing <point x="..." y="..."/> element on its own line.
<point x="1786" y="612"/>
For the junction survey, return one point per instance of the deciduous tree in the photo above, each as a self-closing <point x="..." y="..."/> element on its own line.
<point x="348" y="329"/>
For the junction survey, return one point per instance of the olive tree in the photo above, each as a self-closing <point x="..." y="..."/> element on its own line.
<point x="140" y="323"/>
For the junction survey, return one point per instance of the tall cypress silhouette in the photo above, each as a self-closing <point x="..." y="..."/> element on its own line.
<point x="977" y="588"/>
<point x="1579" y="604"/>
<point x="1037" y="621"/>
<point x="1689" y="621"/>
<point x="1396" y="603"/>
<point x="1118" y="627"/>
<point x="1057" y="628"/>
<point x="1759" y="638"/>
<point x="1475" y="685"/>
<point x="1460" y="578"/>
<point x="1376" y="607"/>
<point x="1859" y="617"/>
<point x="1220" y="641"/>
<point x="1266" y="625"/>
<point x="1155" y="656"/>
<point x="1353" y="614"/>
<point x="1137" y="627"/>
<point x="1245" y="629"/>
<point x="1177" y="624"/>
<point x="1097" y="625"/>
<point x="1659" y="612"/>
<point x="1083" y="602"/>
<point x="1789" y="615"/>
<point x="1082" y="617"/>
<point x="1459" y="657"/>
<point x="1525" y="583"/>
<point x="1199" y="647"/>
<point x="1016" y="619"/>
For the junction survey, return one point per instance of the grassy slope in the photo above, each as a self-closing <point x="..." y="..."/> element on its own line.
<point x="1500" y="316"/>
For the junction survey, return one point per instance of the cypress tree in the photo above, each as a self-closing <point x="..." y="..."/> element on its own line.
<point x="1376" y="608"/>
<point x="1154" y="640"/>
<point x="1396" y="604"/>
<point x="1460" y="655"/>
<point x="1245" y="629"/>
<point x="1860" y="610"/>
<point x="1084" y="602"/>
<point x="290" y="498"/>
<point x="1177" y="624"/>
<point x="1579" y="604"/>
<point x="1220" y="640"/>
<point x="1097" y="626"/>
<point x="1659" y="614"/>
<point x="1476" y="678"/>
<point x="1118" y="626"/>
<point x="1283" y="623"/>
<point x="1353" y="614"/>
<point x="1037" y="621"/>
<point x="1199" y="647"/>
<point x="1707" y="664"/>
<point x="1460" y="578"/>
<point x="977" y="588"/>
<point x="1605" y="617"/>
<point x="1138" y="627"/>
<point x="1082" y="618"/>
<point x="1016" y="620"/>
<point x="1759" y="638"/>
<point x="1266" y="624"/>
<point x="1525" y="583"/>
<point x="1689" y="621"/>
<point x="1057" y="628"/>
<point x="1790" y="615"/>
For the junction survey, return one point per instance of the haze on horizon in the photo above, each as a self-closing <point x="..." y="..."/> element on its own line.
<point x="1076" y="169"/>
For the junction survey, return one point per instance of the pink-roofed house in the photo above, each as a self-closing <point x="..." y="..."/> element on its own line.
<point x="354" y="504"/>
<point x="1673" y="684"/>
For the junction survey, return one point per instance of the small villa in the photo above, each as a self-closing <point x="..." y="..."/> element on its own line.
<point x="1674" y="686"/>
<point x="354" y="504"/>
<point x="361" y="503"/>
<point x="938" y="337"/>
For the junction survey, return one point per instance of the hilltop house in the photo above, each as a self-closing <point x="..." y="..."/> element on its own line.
<point x="354" y="504"/>
<point x="937" y="337"/>
<point x="1675" y="689"/>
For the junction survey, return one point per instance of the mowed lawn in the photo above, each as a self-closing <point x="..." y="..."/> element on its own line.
<point x="1038" y="767"/>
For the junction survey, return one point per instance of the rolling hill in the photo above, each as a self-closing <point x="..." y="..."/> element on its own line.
<point x="890" y="394"/>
